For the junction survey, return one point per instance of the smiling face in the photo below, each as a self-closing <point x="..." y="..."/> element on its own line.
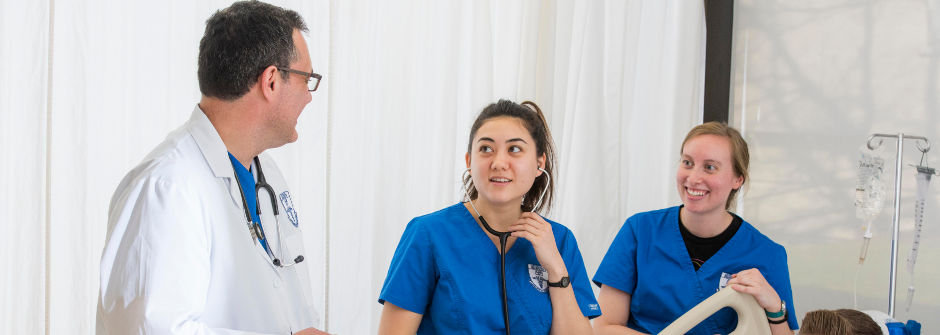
<point x="503" y="161"/>
<point x="706" y="175"/>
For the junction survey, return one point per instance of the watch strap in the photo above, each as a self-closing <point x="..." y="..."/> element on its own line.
<point x="786" y="317"/>
<point x="781" y="312"/>
<point x="564" y="282"/>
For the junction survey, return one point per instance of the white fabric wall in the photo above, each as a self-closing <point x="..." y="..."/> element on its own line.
<point x="88" y="88"/>
<point x="812" y="80"/>
<point x="616" y="80"/>
<point x="23" y="129"/>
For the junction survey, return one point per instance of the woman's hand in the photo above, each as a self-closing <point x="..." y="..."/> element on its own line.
<point x="537" y="231"/>
<point x="752" y="282"/>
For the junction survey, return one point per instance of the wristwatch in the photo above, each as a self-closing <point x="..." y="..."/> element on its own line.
<point x="564" y="282"/>
<point x="781" y="313"/>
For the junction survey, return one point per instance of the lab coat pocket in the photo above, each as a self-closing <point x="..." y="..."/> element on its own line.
<point x="293" y="245"/>
<point x="292" y="252"/>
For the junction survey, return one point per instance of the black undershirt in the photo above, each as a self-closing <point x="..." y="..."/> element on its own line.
<point x="702" y="248"/>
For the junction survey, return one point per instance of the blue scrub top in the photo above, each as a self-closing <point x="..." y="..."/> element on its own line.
<point x="249" y="191"/>
<point x="648" y="260"/>
<point x="447" y="269"/>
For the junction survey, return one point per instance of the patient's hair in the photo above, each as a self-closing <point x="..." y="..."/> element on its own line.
<point x="839" y="322"/>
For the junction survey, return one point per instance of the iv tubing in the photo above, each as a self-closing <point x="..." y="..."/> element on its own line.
<point x="892" y="282"/>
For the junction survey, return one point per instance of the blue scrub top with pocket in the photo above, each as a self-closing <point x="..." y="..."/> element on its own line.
<point x="648" y="260"/>
<point x="447" y="269"/>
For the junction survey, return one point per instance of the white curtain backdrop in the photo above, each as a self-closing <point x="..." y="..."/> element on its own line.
<point x="23" y="202"/>
<point x="88" y="88"/>
<point x="617" y="80"/>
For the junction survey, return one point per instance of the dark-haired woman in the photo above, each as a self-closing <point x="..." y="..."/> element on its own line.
<point x="445" y="276"/>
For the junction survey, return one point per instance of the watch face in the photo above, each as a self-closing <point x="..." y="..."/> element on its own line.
<point x="561" y="283"/>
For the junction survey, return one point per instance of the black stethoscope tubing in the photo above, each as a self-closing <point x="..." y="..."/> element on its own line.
<point x="255" y="227"/>
<point x="503" y="237"/>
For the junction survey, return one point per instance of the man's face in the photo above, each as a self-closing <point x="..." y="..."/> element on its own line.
<point x="294" y="96"/>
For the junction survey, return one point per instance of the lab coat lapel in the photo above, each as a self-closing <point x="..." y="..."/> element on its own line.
<point x="214" y="151"/>
<point x="216" y="155"/>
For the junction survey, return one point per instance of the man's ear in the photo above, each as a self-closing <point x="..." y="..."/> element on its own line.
<point x="268" y="81"/>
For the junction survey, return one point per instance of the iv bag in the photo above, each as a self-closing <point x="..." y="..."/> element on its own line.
<point x="923" y="185"/>
<point x="869" y="188"/>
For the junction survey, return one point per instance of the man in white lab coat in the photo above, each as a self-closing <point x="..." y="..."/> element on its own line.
<point x="203" y="236"/>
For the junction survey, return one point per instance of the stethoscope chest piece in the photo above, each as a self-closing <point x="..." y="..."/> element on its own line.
<point x="254" y="228"/>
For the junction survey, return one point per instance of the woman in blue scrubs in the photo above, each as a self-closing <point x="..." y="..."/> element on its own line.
<point x="663" y="263"/>
<point x="445" y="275"/>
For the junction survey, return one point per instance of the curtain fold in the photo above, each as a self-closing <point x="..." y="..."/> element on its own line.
<point x="24" y="74"/>
<point x="382" y="141"/>
<point x="630" y="96"/>
<point x="619" y="82"/>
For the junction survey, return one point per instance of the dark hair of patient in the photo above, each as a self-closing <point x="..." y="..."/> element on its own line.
<point x="838" y="322"/>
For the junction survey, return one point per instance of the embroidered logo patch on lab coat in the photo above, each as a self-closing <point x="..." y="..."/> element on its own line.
<point x="289" y="207"/>
<point x="538" y="277"/>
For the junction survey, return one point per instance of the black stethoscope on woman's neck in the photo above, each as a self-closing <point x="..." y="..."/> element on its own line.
<point x="254" y="228"/>
<point x="503" y="238"/>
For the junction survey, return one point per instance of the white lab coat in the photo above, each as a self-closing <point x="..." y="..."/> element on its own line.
<point x="179" y="259"/>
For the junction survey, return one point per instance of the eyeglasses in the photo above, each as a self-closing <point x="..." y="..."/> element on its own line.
<point x="313" y="79"/>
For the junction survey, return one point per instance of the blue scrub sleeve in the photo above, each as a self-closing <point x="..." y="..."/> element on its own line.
<point x="411" y="275"/>
<point x="618" y="268"/>
<point x="579" y="277"/>
<point x="780" y="281"/>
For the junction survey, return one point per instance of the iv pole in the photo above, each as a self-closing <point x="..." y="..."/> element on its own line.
<point x="895" y="227"/>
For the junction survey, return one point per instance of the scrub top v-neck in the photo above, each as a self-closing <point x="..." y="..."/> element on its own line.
<point x="648" y="259"/>
<point x="447" y="269"/>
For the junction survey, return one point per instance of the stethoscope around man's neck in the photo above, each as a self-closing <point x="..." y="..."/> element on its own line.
<point x="503" y="238"/>
<point x="254" y="228"/>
